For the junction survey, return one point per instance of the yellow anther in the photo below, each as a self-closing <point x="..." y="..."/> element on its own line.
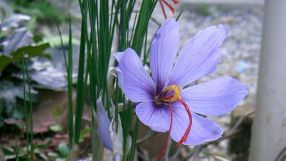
<point x="175" y="96"/>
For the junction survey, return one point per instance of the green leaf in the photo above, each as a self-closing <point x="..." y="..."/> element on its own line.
<point x="41" y="10"/>
<point x="21" y="53"/>
<point x="219" y="158"/>
<point x="63" y="149"/>
<point x="84" y="133"/>
<point x="55" y="41"/>
<point x="29" y="51"/>
<point x="4" y="61"/>
<point x="56" y="128"/>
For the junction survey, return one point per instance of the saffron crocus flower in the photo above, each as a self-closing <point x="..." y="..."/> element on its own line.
<point x="108" y="137"/>
<point x="104" y="125"/>
<point x="168" y="101"/>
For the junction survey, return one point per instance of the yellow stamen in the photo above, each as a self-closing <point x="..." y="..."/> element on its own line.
<point x="175" y="97"/>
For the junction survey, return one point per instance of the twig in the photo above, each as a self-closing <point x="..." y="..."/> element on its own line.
<point x="178" y="150"/>
<point x="195" y="152"/>
<point x="282" y="155"/>
<point x="168" y="149"/>
<point x="233" y="130"/>
<point x="155" y="21"/>
<point x="143" y="154"/>
<point x="146" y="137"/>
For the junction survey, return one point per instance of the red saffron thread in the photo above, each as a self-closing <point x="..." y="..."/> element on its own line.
<point x="175" y="1"/>
<point x="169" y="6"/>
<point x="163" y="9"/>
<point x="188" y="130"/>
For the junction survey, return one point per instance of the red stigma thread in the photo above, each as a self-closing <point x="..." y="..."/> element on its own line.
<point x="175" y="1"/>
<point x="163" y="9"/>
<point x="169" y="6"/>
<point x="188" y="130"/>
<point x="162" y="2"/>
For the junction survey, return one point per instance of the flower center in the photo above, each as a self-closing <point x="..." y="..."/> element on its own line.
<point x="170" y="94"/>
<point x="173" y="93"/>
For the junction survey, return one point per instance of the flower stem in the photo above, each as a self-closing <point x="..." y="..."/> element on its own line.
<point x="166" y="141"/>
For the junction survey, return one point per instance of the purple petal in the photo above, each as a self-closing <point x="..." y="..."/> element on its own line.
<point x="117" y="157"/>
<point x="199" y="56"/>
<point x="163" y="52"/>
<point x="157" y="118"/>
<point x="103" y="126"/>
<point x="202" y="130"/>
<point x="133" y="78"/>
<point x="215" y="97"/>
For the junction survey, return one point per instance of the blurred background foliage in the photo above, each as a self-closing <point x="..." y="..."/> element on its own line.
<point x="21" y="38"/>
<point x="42" y="10"/>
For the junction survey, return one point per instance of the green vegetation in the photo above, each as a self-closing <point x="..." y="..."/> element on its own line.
<point x="42" y="10"/>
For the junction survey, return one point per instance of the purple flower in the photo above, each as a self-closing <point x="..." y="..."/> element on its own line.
<point x="110" y="139"/>
<point x="103" y="126"/>
<point x="167" y="101"/>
